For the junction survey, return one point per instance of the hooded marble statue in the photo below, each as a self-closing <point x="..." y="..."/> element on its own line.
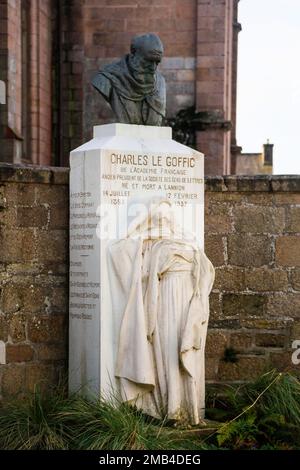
<point x="163" y="280"/>
<point x="133" y="86"/>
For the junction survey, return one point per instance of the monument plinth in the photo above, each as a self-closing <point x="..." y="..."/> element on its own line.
<point x="113" y="179"/>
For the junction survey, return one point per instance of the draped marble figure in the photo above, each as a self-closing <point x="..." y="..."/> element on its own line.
<point x="164" y="279"/>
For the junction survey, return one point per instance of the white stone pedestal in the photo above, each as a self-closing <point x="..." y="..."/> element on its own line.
<point x="121" y="162"/>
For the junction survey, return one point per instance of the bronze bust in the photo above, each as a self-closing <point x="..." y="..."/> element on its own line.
<point x="134" y="88"/>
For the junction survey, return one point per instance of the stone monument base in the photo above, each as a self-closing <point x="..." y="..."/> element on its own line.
<point x="121" y="163"/>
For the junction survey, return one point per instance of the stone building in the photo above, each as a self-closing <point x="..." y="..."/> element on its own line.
<point x="255" y="163"/>
<point x="50" y="49"/>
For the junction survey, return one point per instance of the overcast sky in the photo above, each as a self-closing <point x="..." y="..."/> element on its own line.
<point x="269" y="80"/>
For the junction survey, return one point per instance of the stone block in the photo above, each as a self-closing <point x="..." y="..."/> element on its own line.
<point x="215" y="310"/>
<point x="51" y="352"/>
<point x="283" y="361"/>
<point x="16" y="323"/>
<point x="259" y="199"/>
<point x="13" y="380"/>
<point x="35" y="216"/>
<point x="241" y="340"/>
<point x="3" y="328"/>
<point x="286" y="198"/>
<point x="295" y="279"/>
<point x="211" y="368"/>
<point x="19" y="353"/>
<point x="261" y="323"/>
<point x="28" y="298"/>
<point x="243" y="305"/>
<point x="247" y="368"/>
<point x="258" y="219"/>
<point x="230" y="279"/>
<point x="216" y="342"/>
<point x="52" y="246"/>
<point x="57" y="195"/>
<point x="287" y="304"/>
<point x="16" y="245"/>
<point x="288" y="251"/>
<point x="270" y="340"/>
<point x="59" y="217"/>
<point x="293" y="220"/>
<point x="39" y="375"/>
<point x="295" y="331"/>
<point x="263" y="279"/>
<point x="19" y="194"/>
<point x="218" y="219"/>
<point x="249" y="250"/>
<point x="8" y="216"/>
<point x="214" y="249"/>
<point x="47" y="329"/>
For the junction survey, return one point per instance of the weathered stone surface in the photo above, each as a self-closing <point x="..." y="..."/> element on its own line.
<point x="249" y="250"/>
<point x="59" y="217"/>
<point x="211" y="368"/>
<point x="46" y="329"/>
<point x="17" y="326"/>
<point x="3" y="328"/>
<point x="247" y="368"/>
<point x="293" y="220"/>
<point x="19" y="194"/>
<point x="215" y="310"/>
<point x="270" y="340"/>
<point x="262" y="199"/>
<point x="288" y="251"/>
<point x="218" y="219"/>
<point x="34" y="216"/>
<point x="51" y="352"/>
<point x="248" y="183"/>
<point x="52" y="246"/>
<point x="52" y="195"/>
<point x="285" y="183"/>
<point x="230" y="279"/>
<point x="283" y="361"/>
<point x="295" y="279"/>
<point x="284" y="305"/>
<point x="263" y="280"/>
<point x="216" y="342"/>
<point x="17" y="245"/>
<point x="295" y="331"/>
<point x="19" y="353"/>
<point x="259" y="219"/>
<point x="40" y="375"/>
<point x="287" y="198"/>
<point x="214" y="248"/>
<point x="243" y="305"/>
<point x="32" y="174"/>
<point x="266" y="323"/>
<point x="13" y="380"/>
<point x="241" y="340"/>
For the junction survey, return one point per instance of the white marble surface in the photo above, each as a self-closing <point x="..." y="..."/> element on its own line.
<point x="2" y="92"/>
<point x="120" y="163"/>
<point x="2" y="353"/>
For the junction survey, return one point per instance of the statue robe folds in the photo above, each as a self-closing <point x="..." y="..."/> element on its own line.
<point x="164" y="284"/>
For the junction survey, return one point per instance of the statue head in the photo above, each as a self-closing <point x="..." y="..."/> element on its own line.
<point x="146" y="53"/>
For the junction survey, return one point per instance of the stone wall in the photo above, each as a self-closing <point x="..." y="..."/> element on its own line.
<point x="252" y="238"/>
<point x="33" y="276"/>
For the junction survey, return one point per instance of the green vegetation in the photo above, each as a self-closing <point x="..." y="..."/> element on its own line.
<point x="260" y="415"/>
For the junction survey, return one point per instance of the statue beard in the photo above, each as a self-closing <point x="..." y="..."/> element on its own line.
<point x="141" y="74"/>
